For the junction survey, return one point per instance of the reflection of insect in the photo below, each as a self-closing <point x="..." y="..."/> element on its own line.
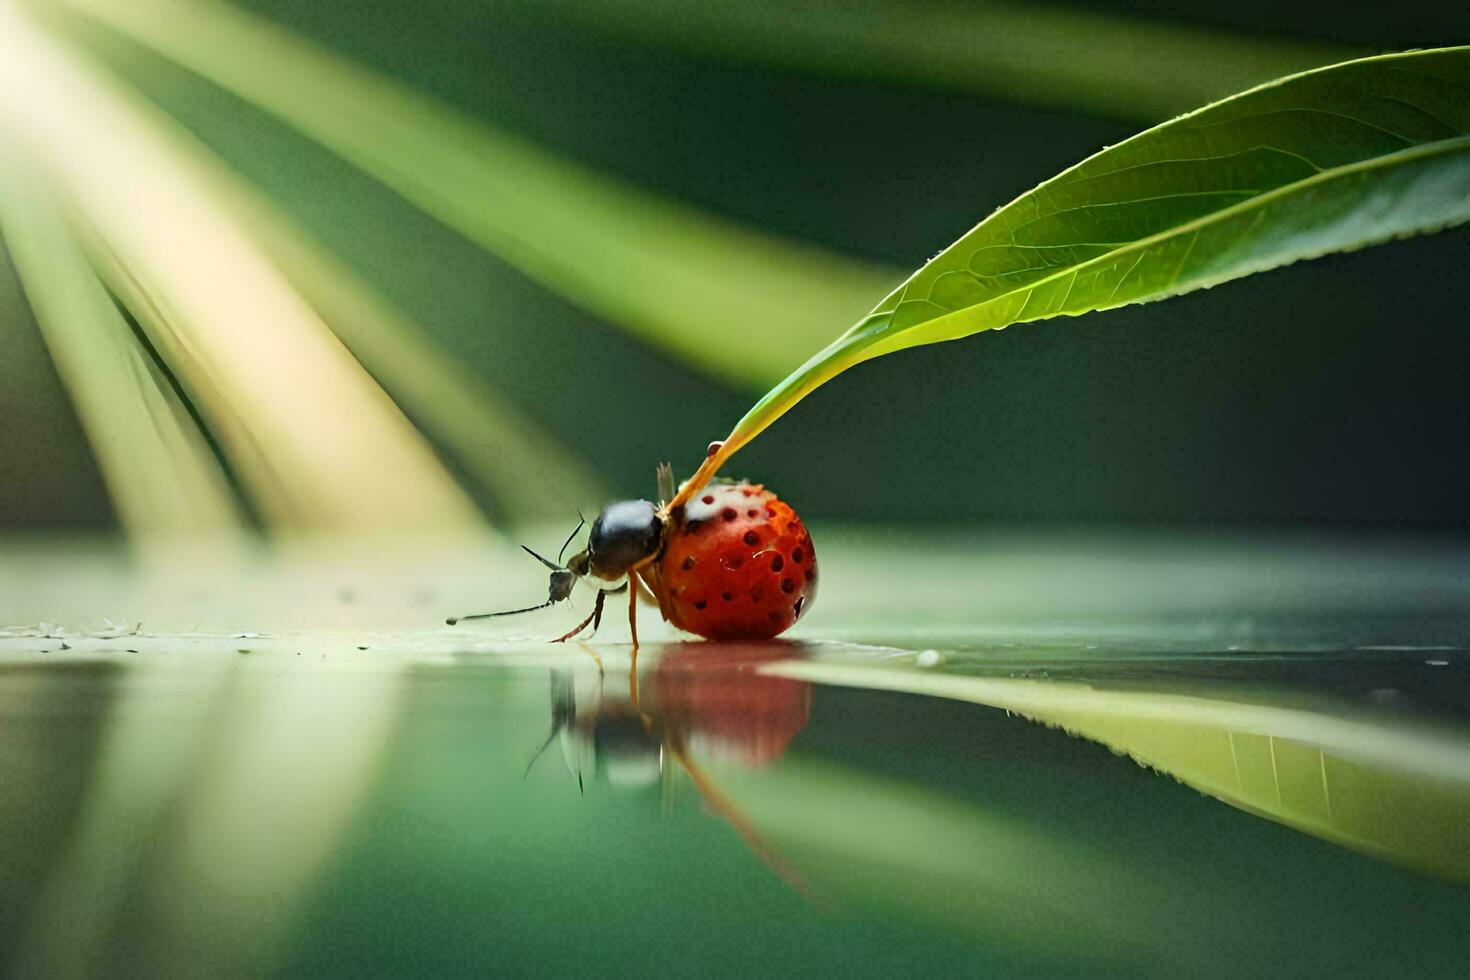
<point x="733" y="563"/>
<point x="717" y="700"/>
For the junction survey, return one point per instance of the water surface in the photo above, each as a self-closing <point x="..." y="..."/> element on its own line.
<point x="1209" y="782"/>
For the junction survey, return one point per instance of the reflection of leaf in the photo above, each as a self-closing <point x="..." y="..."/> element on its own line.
<point x="738" y="302"/>
<point x="1397" y="791"/>
<point x="1328" y="161"/>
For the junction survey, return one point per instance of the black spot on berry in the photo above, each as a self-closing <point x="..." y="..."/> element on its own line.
<point x="752" y="513"/>
<point x="787" y="585"/>
<point x="778" y="563"/>
<point x="752" y="539"/>
<point x="797" y="555"/>
<point x="708" y="498"/>
<point x="727" y="596"/>
<point x="700" y="604"/>
<point x="729" y="513"/>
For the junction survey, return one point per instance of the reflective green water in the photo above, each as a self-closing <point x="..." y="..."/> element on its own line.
<point x="294" y="814"/>
<point x="948" y="796"/>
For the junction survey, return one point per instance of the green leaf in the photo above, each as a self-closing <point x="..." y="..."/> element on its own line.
<point x="1327" y="161"/>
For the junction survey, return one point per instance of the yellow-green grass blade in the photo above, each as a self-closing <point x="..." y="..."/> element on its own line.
<point x="1328" y="161"/>
<point x="530" y="474"/>
<point x="313" y="439"/>
<point x="160" y="471"/>
<point x="739" y="303"/>
<point x="1039" y="54"/>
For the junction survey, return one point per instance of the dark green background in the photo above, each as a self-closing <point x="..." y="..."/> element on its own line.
<point x="1333" y="391"/>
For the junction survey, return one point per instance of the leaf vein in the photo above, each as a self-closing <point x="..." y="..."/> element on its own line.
<point x="1417" y="108"/>
<point x="1117" y="204"/>
<point x="1316" y="110"/>
<point x="1188" y="251"/>
<point x="1205" y="158"/>
<point x="1119" y="284"/>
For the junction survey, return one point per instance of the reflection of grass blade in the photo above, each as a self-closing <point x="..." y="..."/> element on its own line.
<point x="1328" y="161"/>
<point x="963" y="867"/>
<point x="140" y="767"/>
<point x="314" y="440"/>
<point x="1396" y="791"/>
<point x="160" y="471"/>
<point x="738" y="302"/>
<point x="1070" y="58"/>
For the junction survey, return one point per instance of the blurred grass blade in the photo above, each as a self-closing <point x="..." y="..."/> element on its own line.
<point x="807" y="805"/>
<point x="138" y="774"/>
<point x="1382" y="788"/>
<point x="528" y="472"/>
<point x="161" y="472"/>
<point x="1328" y="161"/>
<point x="1069" y="58"/>
<point x="318" y="738"/>
<point x="740" y="303"/>
<point x="311" y="436"/>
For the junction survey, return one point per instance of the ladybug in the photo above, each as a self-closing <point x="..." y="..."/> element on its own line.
<point x="732" y="563"/>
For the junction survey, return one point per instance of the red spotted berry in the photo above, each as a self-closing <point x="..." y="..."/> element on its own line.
<point x="738" y="564"/>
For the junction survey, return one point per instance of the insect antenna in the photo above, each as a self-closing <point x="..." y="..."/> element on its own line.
<point x="452" y="620"/>
<point x="562" y="581"/>
<point x="548" y="563"/>
<point x="581" y="523"/>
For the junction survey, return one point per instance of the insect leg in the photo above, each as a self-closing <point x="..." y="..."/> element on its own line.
<point x="643" y="591"/>
<point x="596" y="612"/>
<point x="633" y="628"/>
<point x="633" y="621"/>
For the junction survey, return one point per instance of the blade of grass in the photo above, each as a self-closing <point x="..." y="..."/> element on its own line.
<point x="1064" y="57"/>
<point x="160" y="471"/>
<point x="677" y="277"/>
<point x="528" y="472"/>
<point x="312" y="437"/>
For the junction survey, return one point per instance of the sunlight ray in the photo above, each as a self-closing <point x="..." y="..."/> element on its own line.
<point x="314" y="440"/>
<point x="674" y="275"/>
